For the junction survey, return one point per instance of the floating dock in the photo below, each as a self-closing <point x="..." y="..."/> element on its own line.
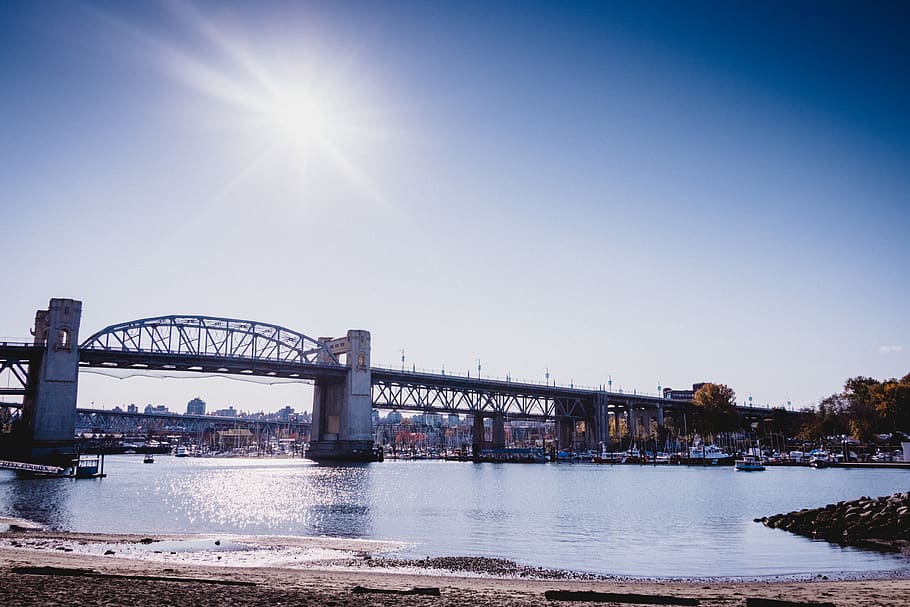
<point x="33" y="468"/>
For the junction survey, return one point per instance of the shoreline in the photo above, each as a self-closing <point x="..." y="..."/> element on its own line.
<point x="345" y="555"/>
<point x="48" y="567"/>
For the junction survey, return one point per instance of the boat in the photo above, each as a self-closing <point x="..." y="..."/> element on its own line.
<point x="181" y="451"/>
<point x="819" y="459"/>
<point x="514" y="455"/>
<point x="148" y="459"/>
<point x="709" y="455"/>
<point x="749" y="463"/>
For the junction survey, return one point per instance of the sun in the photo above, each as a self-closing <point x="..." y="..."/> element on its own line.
<point x="302" y="110"/>
<point x="300" y="118"/>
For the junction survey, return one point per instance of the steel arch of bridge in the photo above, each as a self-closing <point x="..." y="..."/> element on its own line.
<point x="211" y="336"/>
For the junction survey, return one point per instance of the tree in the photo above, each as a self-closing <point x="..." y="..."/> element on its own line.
<point x="715" y="407"/>
<point x="829" y="418"/>
<point x="892" y="404"/>
<point x="861" y="394"/>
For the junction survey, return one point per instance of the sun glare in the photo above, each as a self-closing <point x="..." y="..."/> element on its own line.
<point x="300" y="119"/>
<point x="308" y="111"/>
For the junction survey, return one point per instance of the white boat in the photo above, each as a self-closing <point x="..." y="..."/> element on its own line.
<point x="709" y="455"/>
<point x="181" y="451"/>
<point x="819" y="459"/>
<point x="749" y="463"/>
<point x="148" y="459"/>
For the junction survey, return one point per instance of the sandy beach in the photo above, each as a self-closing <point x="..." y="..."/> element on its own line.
<point x="51" y="568"/>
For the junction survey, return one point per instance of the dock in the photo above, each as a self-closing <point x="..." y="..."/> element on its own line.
<point x="34" y="468"/>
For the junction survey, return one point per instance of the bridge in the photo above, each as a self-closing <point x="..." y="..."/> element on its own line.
<point x="44" y="375"/>
<point x="156" y="422"/>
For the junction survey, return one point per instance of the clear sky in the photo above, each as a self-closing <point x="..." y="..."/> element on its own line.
<point x="657" y="192"/>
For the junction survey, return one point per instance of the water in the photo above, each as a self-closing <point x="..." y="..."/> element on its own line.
<point x="665" y="521"/>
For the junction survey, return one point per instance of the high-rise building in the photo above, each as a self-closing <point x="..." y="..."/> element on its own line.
<point x="195" y="407"/>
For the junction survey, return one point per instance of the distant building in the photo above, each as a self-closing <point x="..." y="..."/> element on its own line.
<point x="285" y="414"/>
<point x="394" y="417"/>
<point x="195" y="407"/>
<point x="229" y="412"/>
<point x="156" y="409"/>
<point x="433" y="420"/>
<point x="682" y="394"/>
<point x="132" y="409"/>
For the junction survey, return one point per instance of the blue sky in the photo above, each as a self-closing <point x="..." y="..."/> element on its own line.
<point x="658" y="192"/>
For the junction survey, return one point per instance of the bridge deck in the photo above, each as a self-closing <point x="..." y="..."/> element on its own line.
<point x="155" y="361"/>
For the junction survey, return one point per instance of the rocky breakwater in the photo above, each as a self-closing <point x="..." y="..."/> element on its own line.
<point x="881" y="523"/>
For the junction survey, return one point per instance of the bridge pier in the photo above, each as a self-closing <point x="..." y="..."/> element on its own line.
<point x="565" y="432"/>
<point x="49" y="406"/>
<point x="499" y="432"/>
<point x="342" y="429"/>
<point x="477" y="435"/>
<point x="601" y="433"/>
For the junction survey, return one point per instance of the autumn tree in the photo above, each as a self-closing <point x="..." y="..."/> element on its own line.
<point x="829" y="418"/>
<point x="891" y="401"/>
<point x="715" y="407"/>
<point x="861" y="394"/>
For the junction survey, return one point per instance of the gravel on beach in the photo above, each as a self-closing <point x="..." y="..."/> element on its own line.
<point x="41" y="571"/>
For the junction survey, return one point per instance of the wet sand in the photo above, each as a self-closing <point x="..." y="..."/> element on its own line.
<point x="44" y="568"/>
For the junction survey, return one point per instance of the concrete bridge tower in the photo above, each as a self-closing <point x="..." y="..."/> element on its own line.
<point x="342" y="410"/>
<point x="49" y="407"/>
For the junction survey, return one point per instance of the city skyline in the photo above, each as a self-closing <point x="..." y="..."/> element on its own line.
<point x="643" y="193"/>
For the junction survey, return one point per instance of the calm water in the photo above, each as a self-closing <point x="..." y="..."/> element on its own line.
<point x="627" y="520"/>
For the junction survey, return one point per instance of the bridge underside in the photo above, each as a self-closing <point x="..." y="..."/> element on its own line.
<point x="584" y="417"/>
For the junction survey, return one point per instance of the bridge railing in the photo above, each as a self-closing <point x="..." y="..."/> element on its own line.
<point x="509" y="379"/>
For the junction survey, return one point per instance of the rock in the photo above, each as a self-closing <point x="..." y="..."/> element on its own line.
<point x="875" y="523"/>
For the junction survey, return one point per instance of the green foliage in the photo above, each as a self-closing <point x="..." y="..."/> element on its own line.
<point x="830" y="418"/>
<point x="715" y="408"/>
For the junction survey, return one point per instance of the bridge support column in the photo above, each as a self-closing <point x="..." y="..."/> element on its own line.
<point x="660" y="415"/>
<point x="617" y="427"/>
<point x="565" y="432"/>
<point x="477" y="435"/>
<point x="499" y="432"/>
<point x="49" y="408"/>
<point x="638" y="423"/>
<point x="601" y="433"/>
<point x="342" y="427"/>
